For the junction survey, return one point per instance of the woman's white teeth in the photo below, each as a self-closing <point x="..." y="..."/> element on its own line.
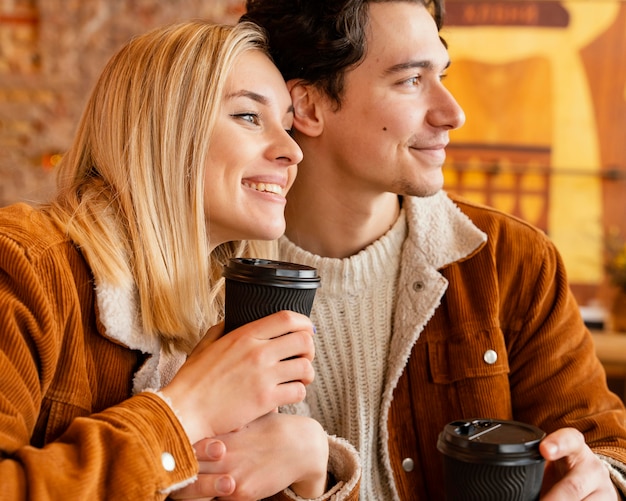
<point x="268" y="187"/>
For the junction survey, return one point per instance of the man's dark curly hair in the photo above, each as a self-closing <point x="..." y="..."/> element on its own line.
<point x="318" y="40"/>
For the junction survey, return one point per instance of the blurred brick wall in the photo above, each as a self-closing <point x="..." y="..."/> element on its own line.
<point x="51" y="52"/>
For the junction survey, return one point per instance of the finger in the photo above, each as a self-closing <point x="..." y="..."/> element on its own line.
<point x="290" y="393"/>
<point x="566" y="442"/>
<point x="294" y="344"/>
<point x="210" y="449"/>
<point x="278" y="324"/>
<point x="295" y="369"/>
<point x="207" y="486"/>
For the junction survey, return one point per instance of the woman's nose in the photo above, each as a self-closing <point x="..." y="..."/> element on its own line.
<point x="285" y="148"/>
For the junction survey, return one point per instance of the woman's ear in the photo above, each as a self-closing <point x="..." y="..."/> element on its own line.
<point x="307" y="108"/>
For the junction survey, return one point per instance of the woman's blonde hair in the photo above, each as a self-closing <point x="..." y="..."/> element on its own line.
<point x="131" y="187"/>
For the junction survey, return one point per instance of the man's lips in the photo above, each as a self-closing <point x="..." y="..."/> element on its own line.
<point x="437" y="152"/>
<point x="427" y="147"/>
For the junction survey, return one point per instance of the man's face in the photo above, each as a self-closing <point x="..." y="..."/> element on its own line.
<point x="391" y="130"/>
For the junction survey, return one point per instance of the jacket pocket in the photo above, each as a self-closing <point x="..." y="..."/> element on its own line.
<point x="467" y="354"/>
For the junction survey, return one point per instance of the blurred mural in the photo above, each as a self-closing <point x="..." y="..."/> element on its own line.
<point x="543" y="85"/>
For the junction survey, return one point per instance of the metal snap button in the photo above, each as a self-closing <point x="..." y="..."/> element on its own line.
<point x="408" y="464"/>
<point x="168" y="461"/>
<point x="490" y="357"/>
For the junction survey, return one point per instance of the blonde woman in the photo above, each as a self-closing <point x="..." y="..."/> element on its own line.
<point x="107" y="293"/>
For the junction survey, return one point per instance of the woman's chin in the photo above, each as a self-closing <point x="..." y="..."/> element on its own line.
<point x="268" y="233"/>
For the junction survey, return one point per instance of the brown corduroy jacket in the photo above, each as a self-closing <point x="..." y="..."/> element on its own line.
<point x="69" y="423"/>
<point x="485" y="327"/>
<point x="511" y="297"/>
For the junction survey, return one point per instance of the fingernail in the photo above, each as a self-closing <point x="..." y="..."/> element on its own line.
<point x="215" y="449"/>
<point x="224" y="485"/>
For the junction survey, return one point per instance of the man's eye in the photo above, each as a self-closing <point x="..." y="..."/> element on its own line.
<point x="413" y="80"/>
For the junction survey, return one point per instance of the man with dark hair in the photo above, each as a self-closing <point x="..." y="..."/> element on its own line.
<point x="433" y="309"/>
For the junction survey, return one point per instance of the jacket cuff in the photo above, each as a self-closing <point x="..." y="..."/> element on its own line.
<point x="162" y="440"/>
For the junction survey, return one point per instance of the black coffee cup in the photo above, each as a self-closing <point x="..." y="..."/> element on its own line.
<point x="491" y="460"/>
<point x="256" y="288"/>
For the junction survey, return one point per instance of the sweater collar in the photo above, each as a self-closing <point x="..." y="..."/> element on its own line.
<point x="371" y="265"/>
<point x="437" y="230"/>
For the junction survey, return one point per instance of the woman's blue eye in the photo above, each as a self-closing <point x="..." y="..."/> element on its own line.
<point x="252" y="118"/>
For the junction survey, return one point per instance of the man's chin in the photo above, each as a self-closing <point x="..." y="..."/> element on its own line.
<point x="423" y="191"/>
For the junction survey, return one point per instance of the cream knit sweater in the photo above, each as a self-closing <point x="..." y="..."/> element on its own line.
<point x="353" y="315"/>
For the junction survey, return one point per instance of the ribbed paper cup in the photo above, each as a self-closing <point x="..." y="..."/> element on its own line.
<point x="491" y="460"/>
<point x="256" y="288"/>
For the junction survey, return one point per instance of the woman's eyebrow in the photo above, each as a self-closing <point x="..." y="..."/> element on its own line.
<point x="255" y="96"/>
<point x="250" y="95"/>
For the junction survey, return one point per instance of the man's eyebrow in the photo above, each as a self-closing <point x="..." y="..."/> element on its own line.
<point x="397" y="68"/>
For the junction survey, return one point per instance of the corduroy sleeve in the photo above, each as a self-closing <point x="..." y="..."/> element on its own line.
<point x="134" y="449"/>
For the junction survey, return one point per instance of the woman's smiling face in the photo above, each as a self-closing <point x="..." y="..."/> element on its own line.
<point x="252" y="158"/>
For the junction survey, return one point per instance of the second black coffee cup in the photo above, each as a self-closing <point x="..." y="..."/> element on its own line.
<point x="256" y="288"/>
<point x="491" y="460"/>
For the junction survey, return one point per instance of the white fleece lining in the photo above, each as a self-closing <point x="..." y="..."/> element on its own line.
<point x="119" y="315"/>
<point x="179" y="485"/>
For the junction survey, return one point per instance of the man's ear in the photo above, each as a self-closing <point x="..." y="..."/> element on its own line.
<point x="307" y="111"/>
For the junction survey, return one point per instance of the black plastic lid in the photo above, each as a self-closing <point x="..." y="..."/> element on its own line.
<point x="270" y="272"/>
<point x="491" y="441"/>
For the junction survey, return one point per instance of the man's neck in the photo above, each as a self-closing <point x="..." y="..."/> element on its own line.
<point x="329" y="220"/>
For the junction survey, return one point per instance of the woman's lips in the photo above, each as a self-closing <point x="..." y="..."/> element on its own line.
<point x="264" y="187"/>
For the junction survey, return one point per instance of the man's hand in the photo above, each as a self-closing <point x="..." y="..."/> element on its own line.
<point x="573" y="472"/>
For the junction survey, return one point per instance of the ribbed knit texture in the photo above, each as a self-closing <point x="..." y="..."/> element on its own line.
<point x="353" y="315"/>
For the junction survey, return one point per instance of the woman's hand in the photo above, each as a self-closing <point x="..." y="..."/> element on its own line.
<point x="208" y="486"/>
<point x="228" y="382"/>
<point x="268" y="455"/>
